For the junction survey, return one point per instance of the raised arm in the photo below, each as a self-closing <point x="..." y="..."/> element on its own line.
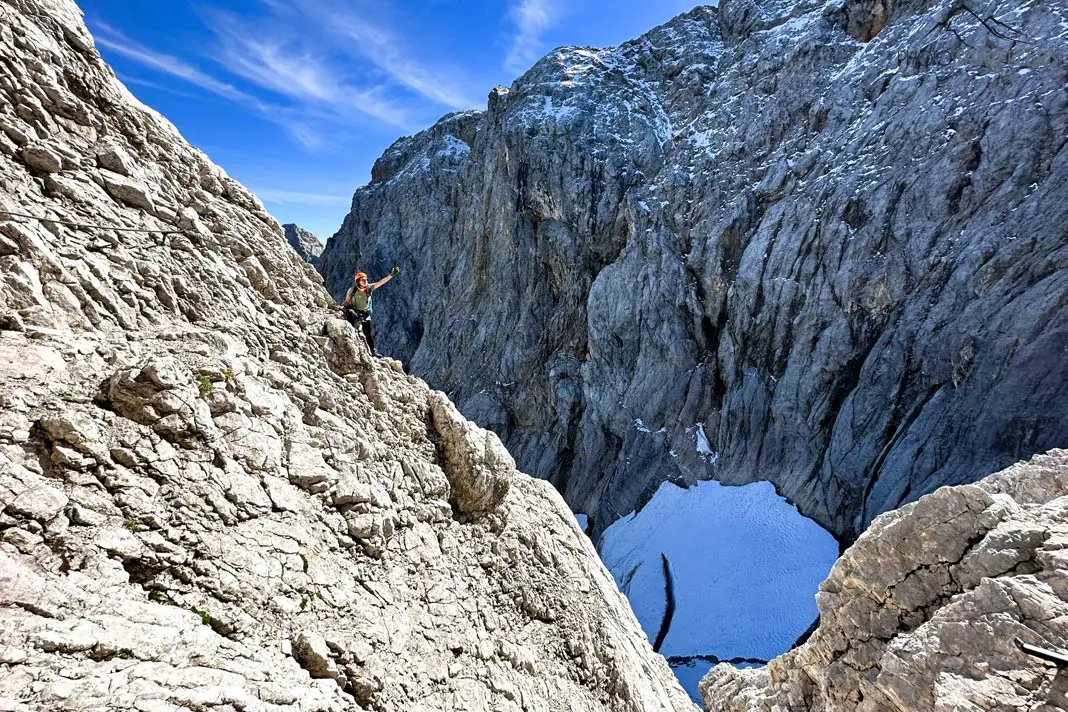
<point x="395" y="271"/>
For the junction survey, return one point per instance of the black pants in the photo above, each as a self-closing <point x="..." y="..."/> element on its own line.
<point x="362" y="324"/>
<point x="365" y="326"/>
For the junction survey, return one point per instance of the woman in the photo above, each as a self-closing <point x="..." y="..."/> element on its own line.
<point x="357" y="305"/>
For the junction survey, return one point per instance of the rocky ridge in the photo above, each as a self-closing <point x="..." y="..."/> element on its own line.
<point x="212" y="497"/>
<point x="925" y="610"/>
<point x="819" y="242"/>
<point x="308" y="247"/>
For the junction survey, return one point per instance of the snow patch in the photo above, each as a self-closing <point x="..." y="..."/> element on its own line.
<point x="703" y="448"/>
<point x="545" y="110"/>
<point x="453" y="147"/>
<point x="746" y="566"/>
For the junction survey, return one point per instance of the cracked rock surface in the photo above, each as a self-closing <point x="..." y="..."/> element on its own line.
<point x="826" y="237"/>
<point x="923" y="611"/>
<point x="212" y="497"/>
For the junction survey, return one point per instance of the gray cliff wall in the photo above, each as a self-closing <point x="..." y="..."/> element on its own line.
<point x="826" y="237"/>
<point x="212" y="497"/>
<point x="307" y="246"/>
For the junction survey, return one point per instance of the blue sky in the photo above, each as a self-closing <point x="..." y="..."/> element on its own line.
<point x="297" y="98"/>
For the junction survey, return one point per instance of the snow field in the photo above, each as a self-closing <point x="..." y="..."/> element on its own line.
<point x="746" y="567"/>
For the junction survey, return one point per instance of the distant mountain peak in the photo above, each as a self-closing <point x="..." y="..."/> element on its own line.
<point x="306" y="244"/>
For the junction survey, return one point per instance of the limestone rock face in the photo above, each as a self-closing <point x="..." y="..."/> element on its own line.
<point x="307" y="245"/>
<point x="923" y="612"/>
<point x="476" y="463"/>
<point x="212" y="496"/>
<point x="813" y="241"/>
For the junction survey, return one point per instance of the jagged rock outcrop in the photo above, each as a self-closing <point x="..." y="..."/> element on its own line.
<point x="923" y="612"/>
<point x="212" y="497"/>
<point x="308" y="247"/>
<point x="819" y="242"/>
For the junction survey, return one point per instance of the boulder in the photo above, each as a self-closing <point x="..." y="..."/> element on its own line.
<point x="926" y="609"/>
<point x="41" y="157"/>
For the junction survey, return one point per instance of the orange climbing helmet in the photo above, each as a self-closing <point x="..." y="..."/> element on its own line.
<point x="360" y="275"/>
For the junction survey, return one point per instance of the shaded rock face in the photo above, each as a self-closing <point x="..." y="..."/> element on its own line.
<point x="923" y="612"/>
<point x="211" y="495"/>
<point x="820" y="243"/>
<point x="307" y="246"/>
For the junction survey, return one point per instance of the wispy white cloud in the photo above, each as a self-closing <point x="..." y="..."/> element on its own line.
<point x="307" y="135"/>
<point x="317" y="68"/>
<point x="531" y="18"/>
<point x="383" y="50"/>
<point x="347" y="27"/>
<point x="129" y="79"/>
<point x="269" y="65"/>
<point x="290" y="70"/>
<point x="316" y="99"/>
<point x="291" y="197"/>
<point x="110" y="38"/>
